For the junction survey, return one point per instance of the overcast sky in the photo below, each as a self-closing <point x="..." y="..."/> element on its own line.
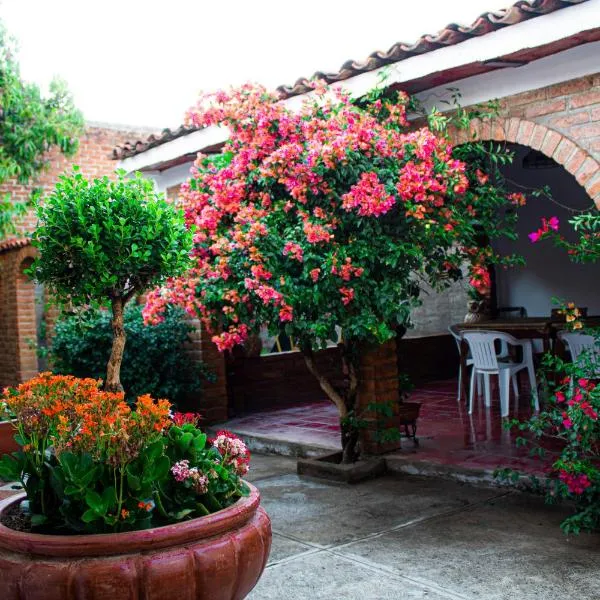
<point x="143" y="62"/>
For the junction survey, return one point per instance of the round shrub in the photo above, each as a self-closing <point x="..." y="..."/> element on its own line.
<point x="155" y="361"/>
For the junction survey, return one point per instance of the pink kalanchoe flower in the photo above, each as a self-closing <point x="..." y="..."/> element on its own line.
<point x="233" y="450"/>
<point x="181" y="470"/>
<point x="229" y="444"/>
<point x="553" y="223"/>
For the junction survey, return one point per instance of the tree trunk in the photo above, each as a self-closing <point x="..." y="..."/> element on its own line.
<point x="350" y="452"/>
<point x="113" y="369"/>
<point x="345" y="401"/>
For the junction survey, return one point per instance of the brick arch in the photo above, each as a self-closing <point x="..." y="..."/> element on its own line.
<point x="550" y="142"/>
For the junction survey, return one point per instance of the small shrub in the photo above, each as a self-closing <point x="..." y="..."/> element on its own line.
<point x="154" y="362"/>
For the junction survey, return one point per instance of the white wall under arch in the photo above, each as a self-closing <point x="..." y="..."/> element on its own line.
<point x="548" y="271"/>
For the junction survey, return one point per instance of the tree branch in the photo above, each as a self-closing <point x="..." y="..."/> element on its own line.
<point x="325" y="384"/>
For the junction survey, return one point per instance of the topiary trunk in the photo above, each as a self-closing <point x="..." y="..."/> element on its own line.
<point x="113" y="369"/>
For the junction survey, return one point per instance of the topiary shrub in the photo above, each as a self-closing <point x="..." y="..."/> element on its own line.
<point x="104" y="241"/>
<point x="155" y="361"/>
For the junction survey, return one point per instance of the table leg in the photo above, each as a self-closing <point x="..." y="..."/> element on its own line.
<point x="546" y="342"/>
<point x="464" y="351"/>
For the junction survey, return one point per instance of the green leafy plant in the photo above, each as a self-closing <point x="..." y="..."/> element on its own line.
<point x="155" y="360"/>
<point x="570" y="415"/>
<point x="30" y="126"/>
<point x="106" y="240"/>
<point x="92" y="464"/>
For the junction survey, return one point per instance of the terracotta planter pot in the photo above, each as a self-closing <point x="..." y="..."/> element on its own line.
<point x="7" y="434"/>
<point x="217" y="557"/>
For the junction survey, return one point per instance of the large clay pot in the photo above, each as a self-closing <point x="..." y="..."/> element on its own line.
<point x="217" y="557"/>
<point x="7" y="438"/>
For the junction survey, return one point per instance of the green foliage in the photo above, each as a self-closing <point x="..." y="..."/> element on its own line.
<point x="570" y="415"/>
<point x="30" y="125"/>
<point x="569" y="420"/>
<point x="106" y="239"/>
<point x="187" y="443"/>
<point x="154" y="361"/>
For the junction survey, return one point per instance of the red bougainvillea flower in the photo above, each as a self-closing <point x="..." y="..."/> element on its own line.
<point x="576" y="483"/>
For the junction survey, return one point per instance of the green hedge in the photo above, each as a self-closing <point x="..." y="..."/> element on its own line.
<point x="154" y="362"/>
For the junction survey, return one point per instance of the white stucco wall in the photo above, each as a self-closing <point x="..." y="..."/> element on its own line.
<point x="549" y="271"/>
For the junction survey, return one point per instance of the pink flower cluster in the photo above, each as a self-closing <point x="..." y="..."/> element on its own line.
<point x="347" y="295"/>
<point x="369" y="196"/>
<point x="480" y="280"/>
<point x="236" y="335"/>
<point x="578" y="398"/>
<point x="233" y="450"/>
<point x="294" y="251"/>
<point x="551" y="224"/>
<point x="316" y="233"/>
<point x="517" y="198"/>
<point x="577" y="483"/>
<point x="183" y="473"/>
<point x="347" y="270"/>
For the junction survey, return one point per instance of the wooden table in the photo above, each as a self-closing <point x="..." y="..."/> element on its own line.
<point x="529" y="328"/>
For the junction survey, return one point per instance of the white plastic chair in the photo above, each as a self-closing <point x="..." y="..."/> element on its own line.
<point x="468" y="362"/>
<point x="584" y="349"/>
<point x="486" y="363"/>
<point x="456" y="334"/>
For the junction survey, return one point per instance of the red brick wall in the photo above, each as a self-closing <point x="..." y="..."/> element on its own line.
<point x="562" y="121"/>
<point x="94" y="157"/>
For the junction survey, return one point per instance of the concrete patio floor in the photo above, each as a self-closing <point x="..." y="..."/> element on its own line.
<point x="402" y="536"/>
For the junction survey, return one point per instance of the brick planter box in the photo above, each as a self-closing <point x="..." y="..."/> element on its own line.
<point x="329" y="467"/>
<point x="7" y="441"/>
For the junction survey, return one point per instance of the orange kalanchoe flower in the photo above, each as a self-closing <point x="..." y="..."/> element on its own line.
<point x="76" y="415"/>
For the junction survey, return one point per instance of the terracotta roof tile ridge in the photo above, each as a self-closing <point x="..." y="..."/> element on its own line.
<point x="452" y="34"/>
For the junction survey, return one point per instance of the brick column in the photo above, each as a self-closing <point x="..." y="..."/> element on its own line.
<point x="378" y="374"/>
<point x="26" y="323"/>
<point x="18" y="331"/>
<point x="214" y="402"/>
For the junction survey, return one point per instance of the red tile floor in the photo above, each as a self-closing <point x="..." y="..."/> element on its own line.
<point x="448" y="435"/>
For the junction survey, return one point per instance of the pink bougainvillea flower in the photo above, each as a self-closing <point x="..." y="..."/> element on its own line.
<point x="535" y="236"/>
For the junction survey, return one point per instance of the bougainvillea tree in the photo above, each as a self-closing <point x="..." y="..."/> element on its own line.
<point x="335" y="214"/>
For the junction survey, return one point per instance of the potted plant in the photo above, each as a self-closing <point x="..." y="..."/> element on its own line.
<point x="119" y="499"/>
<point x="123" y="500"/>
